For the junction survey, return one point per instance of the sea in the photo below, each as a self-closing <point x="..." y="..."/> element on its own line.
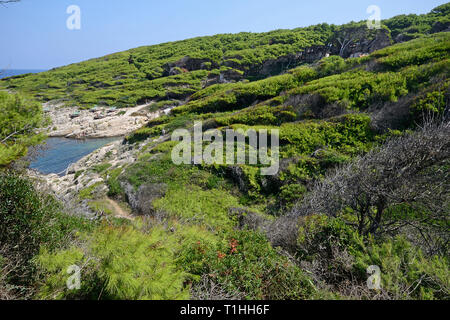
<point x="57" y="154"/>
<point x="16" y="72"/>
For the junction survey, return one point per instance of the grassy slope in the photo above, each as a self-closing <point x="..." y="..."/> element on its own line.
<point x="141" y="74"/>
<point x="312" y="143"/>
<point x="128" y="77"/>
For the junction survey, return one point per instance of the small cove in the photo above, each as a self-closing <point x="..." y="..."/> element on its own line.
<point x="59" y="153"/>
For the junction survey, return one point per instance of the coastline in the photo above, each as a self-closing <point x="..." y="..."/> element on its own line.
<point x="117" y="123"/>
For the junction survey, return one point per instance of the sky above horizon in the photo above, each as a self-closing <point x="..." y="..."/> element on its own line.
<point x="35" y="35"/>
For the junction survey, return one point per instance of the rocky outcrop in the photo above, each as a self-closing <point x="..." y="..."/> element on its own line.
<point x="231" y="75"/>
<point x="366" y="45"/>
<point x="238" y="176"/>
<point x="83" y="175"/>
<point x="189" y="64"/>
<point x="403" y="38"/>
<point x="314" y="106"/>
<point x="85" y="125"/>
<point x="312" y="54"/>
<point x="279" y="65"/>
<point x="141" y="200"/>
<point x="440" y="26"/>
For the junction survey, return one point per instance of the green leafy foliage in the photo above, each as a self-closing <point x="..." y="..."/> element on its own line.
<point x="247" y="263"/>
<point x="120" y="263"/>
<point x="205" y="207"/>
<point x="405" y="271"/>
<point x="30" y="220"/>
<point x="176" y="70"/>
<point x="19" y="120"/>
<point x="241" y="95"/>
<point x="412" y="25"/>
<point x="141" y="74"/>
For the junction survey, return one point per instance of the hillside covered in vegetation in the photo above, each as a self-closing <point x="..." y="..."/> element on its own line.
<point x="363" y="122"/>
<point x="176" y="70"/>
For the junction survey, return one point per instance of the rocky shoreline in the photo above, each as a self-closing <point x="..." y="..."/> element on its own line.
<point x="82" y="174"/>
<point x="70" y="122"/>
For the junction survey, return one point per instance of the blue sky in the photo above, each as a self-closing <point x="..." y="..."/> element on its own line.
<point x="35" y="36"/>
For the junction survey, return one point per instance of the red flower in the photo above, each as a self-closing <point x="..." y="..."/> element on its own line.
<point x="233" y="244"/>
<point x="220" y="255"/>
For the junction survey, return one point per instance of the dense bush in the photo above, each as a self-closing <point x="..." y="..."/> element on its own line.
<point x="247" y="263"/>
<point x="413" y="25"/>
<point x="331" y="65"/>
<point x="118" y="263"/>
<point x="19" y="119"/>
<point x="28" y="221"/>
<point x="405" y="170"/>
<point x="338" y="258"/>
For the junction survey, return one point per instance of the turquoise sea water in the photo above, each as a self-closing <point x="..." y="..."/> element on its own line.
<point x="61" y="152"/>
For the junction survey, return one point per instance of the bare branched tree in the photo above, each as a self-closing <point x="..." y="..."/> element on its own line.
<point x="347" y="36"/>
<point x="344" y="42"/>
<point x="353" y="34"/>
<point x="409" y="174"/>
<point x="207" y="289"/>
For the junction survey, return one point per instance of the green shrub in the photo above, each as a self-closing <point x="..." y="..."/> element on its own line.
<point x="114" y="187"/>
<point x="78" y="174"/>
<point x="19" y="119"/>
<point x="431" y="102"/>
<point x="290" y="194"/>
<point x="345" y="255"/>
<point x="119" y="263"/>
<point x="194" y="204"/>
<point x="405" y="271"/>
<point x="88" y="193"/>
<point x="100" y="168"/>
<point x="247" y="263"/>
<point x="28" y="221"/>
<point x="331" y="65"/>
